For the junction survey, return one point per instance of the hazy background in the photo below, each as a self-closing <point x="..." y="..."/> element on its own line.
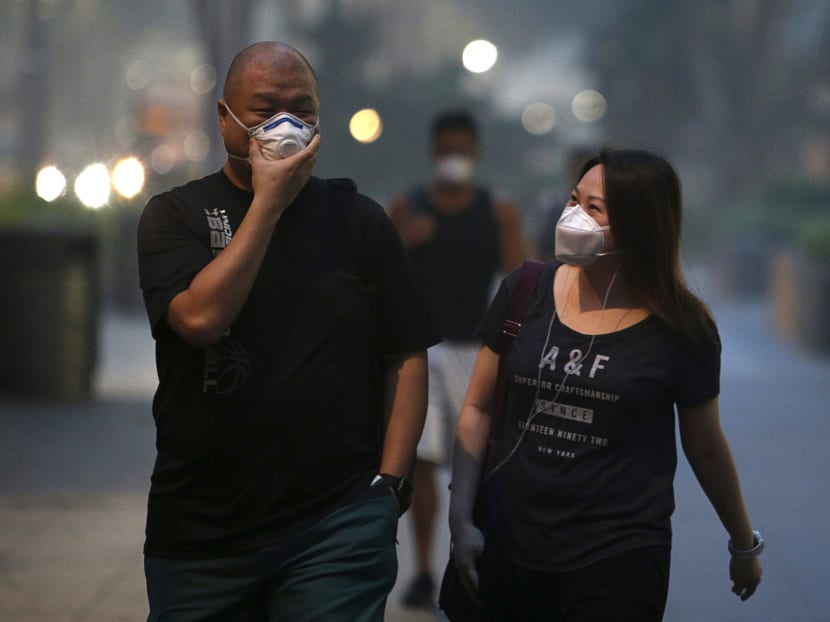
<point x="735" y="92"/>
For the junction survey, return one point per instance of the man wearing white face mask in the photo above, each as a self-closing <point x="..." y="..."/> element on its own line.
<point x="291" y="351"/>
<point x="280" y="136"/>
<point x="459" y="236"/>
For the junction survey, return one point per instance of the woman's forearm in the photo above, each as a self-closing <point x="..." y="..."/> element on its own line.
<point x="715" y="471"/>
<point x="708" y="454"/>
<point x="468" y="455"/>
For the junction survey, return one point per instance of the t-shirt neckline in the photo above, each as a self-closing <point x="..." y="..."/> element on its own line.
<point x="558" y="320"/>
<point x="634" y="327"/>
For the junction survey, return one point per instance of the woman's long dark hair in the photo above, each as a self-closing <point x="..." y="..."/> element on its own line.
<point x="643" y="195"/>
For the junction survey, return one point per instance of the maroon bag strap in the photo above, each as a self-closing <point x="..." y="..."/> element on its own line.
<point x="516" y="309"/>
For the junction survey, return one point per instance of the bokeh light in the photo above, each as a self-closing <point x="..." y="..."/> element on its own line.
<point x="197" y="146"/>
<point x="588" y="106"/>
<point x="50" y="183"/>
<point x="479" y="56"/>
<point x="128" y="177"/>
<point x="138" y="75"/>
<point x="538" y="118"/>
<point x="92" y="186"/>
<point x="365" y="125"/>
<point x="203" y="79"/>
<point x="163" y="159"/>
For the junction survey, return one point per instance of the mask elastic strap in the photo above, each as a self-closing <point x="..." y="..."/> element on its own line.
<point x="235" y="118"/>
<point x="240" y="124"/>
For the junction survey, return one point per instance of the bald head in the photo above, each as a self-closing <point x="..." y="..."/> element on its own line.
<point x="265" y="55"/>
<point x="264" y="80"/>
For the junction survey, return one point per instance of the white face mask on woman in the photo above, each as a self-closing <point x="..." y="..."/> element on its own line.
<point x="280" y="136"/>
<point x="579" y="238"/>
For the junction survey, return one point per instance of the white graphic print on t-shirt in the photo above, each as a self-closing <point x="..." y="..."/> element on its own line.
<point x="227" y="363"/>
<point x="220" y="229"/>
<point x="576" y="363"/>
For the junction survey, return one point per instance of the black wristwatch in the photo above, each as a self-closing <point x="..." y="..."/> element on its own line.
<point x="401" y="487"/>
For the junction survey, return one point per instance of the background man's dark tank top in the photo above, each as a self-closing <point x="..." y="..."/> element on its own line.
<point x="456" y="267"/>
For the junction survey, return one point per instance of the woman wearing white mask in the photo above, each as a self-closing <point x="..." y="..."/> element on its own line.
<point x="573" y="519"/>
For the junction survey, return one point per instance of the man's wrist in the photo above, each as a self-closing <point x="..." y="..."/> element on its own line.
<point x="400" y="486"/>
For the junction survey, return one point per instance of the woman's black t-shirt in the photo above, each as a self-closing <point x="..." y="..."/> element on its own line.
<point x="593" y="473"/>
<point x="278" y="424"/>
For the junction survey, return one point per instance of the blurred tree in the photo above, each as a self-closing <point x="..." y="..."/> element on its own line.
<point x="341" y="41"/>
<point x="223" y="28"/>
<point x="713" y="82"/>
<point x="348" y="49"/>
<point x="33" y="85"/>
<point x="340" y="38"/>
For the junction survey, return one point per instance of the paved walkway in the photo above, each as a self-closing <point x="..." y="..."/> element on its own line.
<point x="73" y="480"/>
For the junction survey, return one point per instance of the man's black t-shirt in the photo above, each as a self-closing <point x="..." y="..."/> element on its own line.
<point x="278" y="424"/>
<point x="593" y="474"/>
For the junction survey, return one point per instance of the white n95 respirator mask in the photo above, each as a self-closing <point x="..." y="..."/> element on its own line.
<point x="579" y="238"/>
<point x="279" y="137"/>
<point x="456" y="169"/>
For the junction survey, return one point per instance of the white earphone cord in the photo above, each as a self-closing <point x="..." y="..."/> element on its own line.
<point x="533" y="411"/>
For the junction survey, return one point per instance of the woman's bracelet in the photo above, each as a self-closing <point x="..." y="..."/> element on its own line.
<point x="755" y="551"/>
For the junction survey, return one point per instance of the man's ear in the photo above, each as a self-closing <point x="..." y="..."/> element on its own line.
<point x="222" y="110"/>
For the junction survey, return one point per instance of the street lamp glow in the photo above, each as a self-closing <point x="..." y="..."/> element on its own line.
<point x="128" y="177"/>
<point x="92" y="186"/>
<point x="50" y="183"/>
<point x="479" y="56"/>
<point x="365" y="125"/>
<point x="588" y="106"/>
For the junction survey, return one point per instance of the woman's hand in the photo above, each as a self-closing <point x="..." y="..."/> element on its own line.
<point x="468" y="545"/>
<point x="745" y="575"/>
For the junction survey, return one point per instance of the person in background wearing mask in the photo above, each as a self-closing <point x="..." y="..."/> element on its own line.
<point x="459" y="236"/>
<point x="291" y="351"/>
<point x="574" y="520"/>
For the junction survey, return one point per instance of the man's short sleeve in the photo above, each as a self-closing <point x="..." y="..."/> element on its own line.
<point x="170" y="254"/>
<point x="405" y="324"/>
